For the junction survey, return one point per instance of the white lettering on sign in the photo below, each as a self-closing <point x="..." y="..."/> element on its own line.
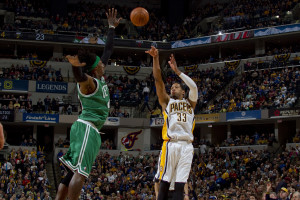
<point x="44" y="86"/>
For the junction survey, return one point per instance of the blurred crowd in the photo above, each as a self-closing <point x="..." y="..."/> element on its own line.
<point x="28" y="141"/>
<point x="242" y="14"/>
<point x="255" y="139"/>
<point x="86" y="17"/>
<point x="18" y="103"/>
<point x="127" y="92"/>
<point x="209" y="81"/>
<point x="262" y="89"/>
<point x="216" y="174"/>
<point x="263" y="85"/>
<point x="108" y="144"/>
<point x="63" y="143"/>
<point x="23" y="104"/>
<point x="25" y="72"/>
<point x="23" y="175"/>
<point x="53" y="106"/>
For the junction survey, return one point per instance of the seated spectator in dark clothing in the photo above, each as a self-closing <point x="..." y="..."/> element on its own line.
<point x="126" y="114"/>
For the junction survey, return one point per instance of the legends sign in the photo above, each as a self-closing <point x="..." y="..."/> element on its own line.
<point x="51" y="87"/>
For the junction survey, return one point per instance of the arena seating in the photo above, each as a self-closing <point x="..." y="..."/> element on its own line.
<point x="209" y="82"/>
<point x="23" y="175"/>
<point x="254" y="139"/>
<point x="87" y="17"/>
<point x="20" y="103"/>
<point x="221" y="173"/>
<point x="241" y="15"/>
<point x="263" y="89"/>
<point x="31" y="73"/>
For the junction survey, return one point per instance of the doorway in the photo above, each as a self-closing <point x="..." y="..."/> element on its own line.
<point x="45" y="138"/>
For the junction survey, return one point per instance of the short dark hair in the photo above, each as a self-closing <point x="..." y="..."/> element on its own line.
<point x="84" y="55"/>
<point x="181" y="85"/>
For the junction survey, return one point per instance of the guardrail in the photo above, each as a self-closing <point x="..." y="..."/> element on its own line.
<point x="92" y="39"/>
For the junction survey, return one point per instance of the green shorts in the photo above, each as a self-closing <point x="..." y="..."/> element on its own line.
<point x="85" y="142"/>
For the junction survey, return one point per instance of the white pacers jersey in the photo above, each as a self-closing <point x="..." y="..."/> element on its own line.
<point x="179" y="121"/>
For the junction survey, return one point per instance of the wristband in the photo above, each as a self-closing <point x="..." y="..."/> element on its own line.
<point x="186" y="194"/>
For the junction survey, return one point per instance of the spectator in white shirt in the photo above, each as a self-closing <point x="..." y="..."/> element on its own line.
<point x="283" y="89"/>
<point x="203" y="148"/>
<point x="146" y="90"/>
<point x="7" y="166"/>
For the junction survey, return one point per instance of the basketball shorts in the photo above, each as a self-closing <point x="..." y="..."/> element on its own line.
<point x="175" y="161"/>
<point x="85" y="142"/>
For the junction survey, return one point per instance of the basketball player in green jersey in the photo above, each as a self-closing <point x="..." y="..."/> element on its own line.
<point x="85" y="140"/>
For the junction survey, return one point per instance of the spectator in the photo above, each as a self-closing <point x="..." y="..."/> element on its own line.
<point x="69" y="109"/>
<point x="126" y="114"/>
<point x="60" y="154"/>
<point x="295" y="196"/>
<point x="284" y="193"/>
<point x="146" y="90"/>
<point x="156" y="113"/>
<point x="7" y="166"/>
<point x="47" y="102"/>
<point x="146" y="103"/>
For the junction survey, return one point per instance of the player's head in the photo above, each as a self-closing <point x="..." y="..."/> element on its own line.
<point x="177" y="91"/>
<point x="94" y="65"/>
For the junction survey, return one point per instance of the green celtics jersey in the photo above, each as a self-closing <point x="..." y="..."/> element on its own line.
<point x="95" y="106"/>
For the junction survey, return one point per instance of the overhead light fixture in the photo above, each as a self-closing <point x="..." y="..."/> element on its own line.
<point x="220" y="33"/>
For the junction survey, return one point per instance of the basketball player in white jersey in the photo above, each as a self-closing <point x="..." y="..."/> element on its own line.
<point x="177" y="151"/>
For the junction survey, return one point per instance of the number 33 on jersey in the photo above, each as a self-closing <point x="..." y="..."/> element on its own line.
<point x="179" y="121"/>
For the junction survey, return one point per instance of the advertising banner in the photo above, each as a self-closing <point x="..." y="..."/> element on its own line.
<point x="207" y="118"/>
<point x="112" y="121"/>
<point x="191" y="42"/>
<point x="47" y="118"/>
<point x="7" y="115"/>
<point x="243" y="115"/>
<point x="157" y="121"/>
<point x="132" y="140"/>
<point x="16" y="85"/>
<point x="51" y="87"/>
<point x="232" y="36"/>
<point x="284" y="112"/>
<point x="277" y="30"/>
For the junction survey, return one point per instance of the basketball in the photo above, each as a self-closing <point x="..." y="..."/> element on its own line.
<point x="139" y="16"/>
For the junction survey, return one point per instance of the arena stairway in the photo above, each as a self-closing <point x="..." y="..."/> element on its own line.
<point x="57" y="174"/>
<point x="275" y="148"/>
<point x="50" y="175"/>
<point x="227" y="87"/>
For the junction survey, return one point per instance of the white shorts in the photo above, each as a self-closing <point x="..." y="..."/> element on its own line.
<point x="175" y="161"/>
<point x="172" y="184"/>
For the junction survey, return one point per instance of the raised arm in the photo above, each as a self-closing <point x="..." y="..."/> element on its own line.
<point x="193" y="94"/>
<point x="163" y="97"/>
<point x="86" y="82"/>
<point x="113" y="22"/>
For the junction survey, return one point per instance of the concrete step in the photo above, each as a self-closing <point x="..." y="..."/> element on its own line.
<point x="57" y="173"/>
<point x="50" y="176"/>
